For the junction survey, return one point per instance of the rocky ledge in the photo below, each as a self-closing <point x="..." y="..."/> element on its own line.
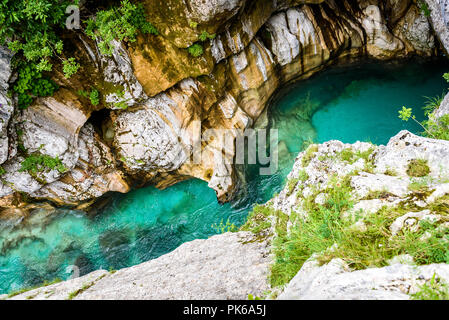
<point x="393" y="215"/>
<point x="167" y="98"/>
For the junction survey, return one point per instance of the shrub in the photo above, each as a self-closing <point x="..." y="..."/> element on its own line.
<point x="31" y="83"/>
<point x="31" y="29"/>
<point x="70" y="67"/>
<point x="195" y="50"/>
<point x="119" y="23"/>
<point x="206" y="35"/>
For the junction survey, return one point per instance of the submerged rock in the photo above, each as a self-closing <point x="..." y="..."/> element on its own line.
<point x="227" y="266"/>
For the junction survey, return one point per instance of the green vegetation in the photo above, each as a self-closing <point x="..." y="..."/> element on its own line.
<point x="44" y="284"/>
<point x="437" y="128"/>
<point x="94" y="97"/>
<point x="36" y="163"/>
<point x="119" y="23"/>
<point x="32" y="28"/>
<point x="195" y="50"/>
<point x="30" y="84"/>
<point x="70" y="67"/>
<point x="292" y="183"/>
<point x="319" y="231"/>
<point x="225" y="227"/>
<point x="418" y="168"/>
<point x="309" y="154"/>
<point x="351" y="157"/>
<point x="75" y="293"/>
<point x="193" y="24"/>
<point x="206" y="36"/>
<point x="258" y="221"/>
<point x="121" y="105"/>
<point x="424" y="7"/>
<point x="436" y="290"/>
<point x="86" y="286"/>
<point x="327" y="234"/>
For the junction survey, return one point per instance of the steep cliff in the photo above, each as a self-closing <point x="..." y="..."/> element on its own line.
<point x="157" y="100"/>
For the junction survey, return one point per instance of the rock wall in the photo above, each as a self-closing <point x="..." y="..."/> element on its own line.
<point x="172" y="98"/>
<point x="234" y="265"/>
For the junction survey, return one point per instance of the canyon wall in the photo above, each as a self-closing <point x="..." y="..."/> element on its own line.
<point x="157" y="100"/>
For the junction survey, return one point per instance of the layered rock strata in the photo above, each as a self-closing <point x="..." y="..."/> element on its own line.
<point x="157" y="101"/>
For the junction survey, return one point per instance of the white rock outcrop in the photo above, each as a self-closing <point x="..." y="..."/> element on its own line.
<point x="226" y="266"/>
<point x="333" y="282"/>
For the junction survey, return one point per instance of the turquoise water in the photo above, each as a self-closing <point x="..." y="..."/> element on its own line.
<point x="358" y="102"/>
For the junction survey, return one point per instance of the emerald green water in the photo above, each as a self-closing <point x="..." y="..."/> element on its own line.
<point x="358" y="102"/>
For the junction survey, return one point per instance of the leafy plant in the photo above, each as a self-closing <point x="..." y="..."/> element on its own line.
<point x="424" y="7"/>
<point x="206" y="35"/>
<point x="70" y="67"/>
<point x="405" y="114"/>
<point x="225" y="227"/>
<point x="435" y="290"/>
<point x="94" y="97"/>
<point x="36" y="163"/>
<point x="119" y="23"/>
<point x="193" y="24"/>
<point x="31" y="28"/>
<point x="195" y="50"/>
<point x="30" y="84"/>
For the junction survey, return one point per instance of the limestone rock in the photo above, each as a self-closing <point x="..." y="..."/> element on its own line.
<point x="410" y="220"/>
<point x="119" y="71"/>
<point x="6" y="105"/>
<point x="212" y="10"/>
<point x="380" y="43"/>
<point x="443" y="109"/>
<point x="225" y="266"/>
<point x="439" y="15"/>
<point x="94" y="174"/>
<point x="415" y="31"/>
<point x="331" y="282"/>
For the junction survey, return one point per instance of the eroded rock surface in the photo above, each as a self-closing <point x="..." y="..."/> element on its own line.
<point x="227" y="266"/>
<point x="163" y="101"/>
<point x="333" y="282"/>
<point x="381" y="181"/>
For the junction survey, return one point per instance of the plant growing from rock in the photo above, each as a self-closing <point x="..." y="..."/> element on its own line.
<point x="70" y="67"/>
<point x="94" y="97"/>
<point x="30" y="84"/>
<point x="418" y="168"/>
<point x="36" y="163"/>
<point x="435" y="290"/>
<point x="121" y="23"/>
<point x="195" y="50"/>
